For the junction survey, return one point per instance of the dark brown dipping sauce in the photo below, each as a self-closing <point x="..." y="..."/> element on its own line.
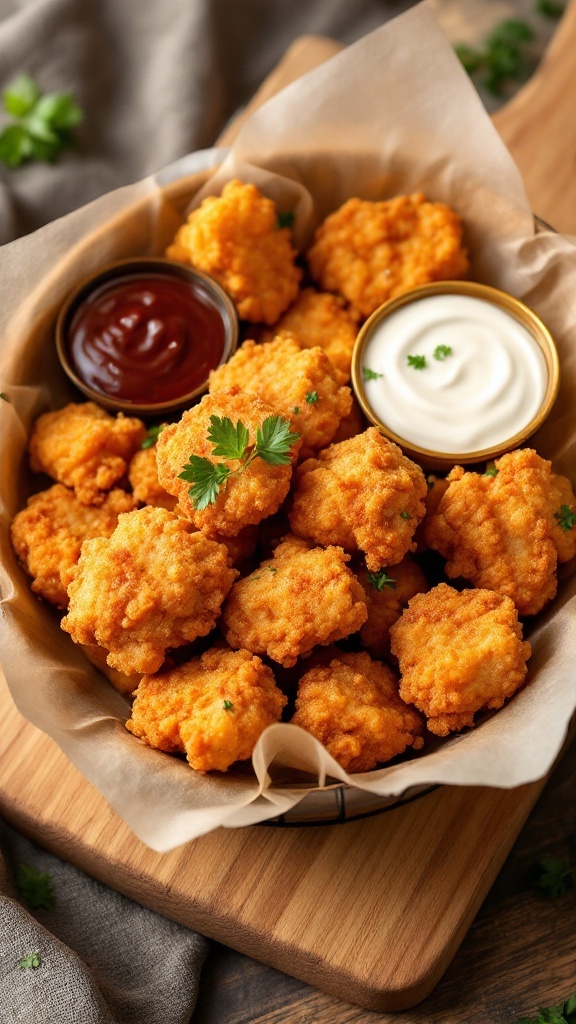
<point x="146" y="339"/>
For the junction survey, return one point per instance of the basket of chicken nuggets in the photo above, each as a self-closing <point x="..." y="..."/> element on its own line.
<point x="260" y="600"/>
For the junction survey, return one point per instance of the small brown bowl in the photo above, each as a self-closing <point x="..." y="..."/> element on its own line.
<point x="210" y="294"/>
<point x="430" y="458"/>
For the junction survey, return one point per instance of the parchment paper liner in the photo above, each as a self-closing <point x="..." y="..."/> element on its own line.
<point x="393" y="113"/>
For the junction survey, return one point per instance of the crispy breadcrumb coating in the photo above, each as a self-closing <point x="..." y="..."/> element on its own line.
<point x="213" y="708"/>
<point x="354" y="423"/>
<point x="370" y="252"/>
<point x="362" y="494"/>
<point x="156" y="583"/>
<point x="236" y="239"/>
<point x="244" y="500"/>
<point x="352" y="706"/>
<point x="385" y="605"/>
<point x="499" y="531"/>
<point x="459" y="653"/>
<point x="321" y="319"/>
<point x="437" y="487"/>
<point x="294" y="601"/>
<point x="299" y="384"/>
<point x="143" y="477"/>
<point x="48" y="534"/>
<point x="84" y="447"/>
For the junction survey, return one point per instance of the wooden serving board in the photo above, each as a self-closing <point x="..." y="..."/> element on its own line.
<point x="371" y="911"/>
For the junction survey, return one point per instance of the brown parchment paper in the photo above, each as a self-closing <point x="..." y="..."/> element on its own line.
<point x="393" y="113"/>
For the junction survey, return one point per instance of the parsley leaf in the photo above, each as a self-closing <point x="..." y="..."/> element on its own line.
<point x="555" y="876"/>
<point x="274" y="440"/>
<point x="296" y="410"/>
<point x="30" y="960"/>
<point x="34" y="887"/>
<point x="563" y="1014"/>
<point x="418" y="362"/>
<point x="405" y="515"/>
<point x="228" y="705"/>
<point x="380" y="579"/>
<point x="312" y="397"/>
<point x="441" y="351"/>
<point x="206" y="478"/>
<point x="549" y="8"/>
<point x="43" y="124"/>
<point x="229" y="440"/>
<point x="286" y="218"/>
<point x="565" y="517"/>
<point x="368" y="374"/>
<point x="504" y="56"/>
<point x="152" y="435"/>
<point x="490" y="470"/>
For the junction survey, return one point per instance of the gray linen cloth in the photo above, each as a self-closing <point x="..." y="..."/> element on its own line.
<point x="156" y="80"/>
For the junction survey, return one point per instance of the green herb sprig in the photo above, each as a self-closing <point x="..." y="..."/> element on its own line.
<point x="565" y="517"/>
<point x="564" y="1013"/>
<point x="42" y="125"/>
<point x="368" y="374"/>
<point x="503" y="57"/>
<point x="441" y="352"/>
<point x="380" y="579"/>
<point x="273" y="442"/>
<point x="152" y="435"/>
<point x="417" y="362"/>
<point x="555" y="876"/>
<point x="490" y="470"/>
<point x="34" y="888"/>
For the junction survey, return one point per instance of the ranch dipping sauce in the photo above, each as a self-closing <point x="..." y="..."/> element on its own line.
<point x="453" y="373"/>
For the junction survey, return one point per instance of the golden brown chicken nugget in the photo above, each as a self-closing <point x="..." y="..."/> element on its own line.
<point x="156" y="583"/>
<point x="352" y="706"/>
<point x="363" y="495"/>
<point x="213" y="708"/>
<point x="299" y="384"/>
<point x="321" y="319"/>
<point x="459" y="653"/>
<point x="236" y="239"/>
<point x="245" y="498"/>
<point x="48" y="534"/>
<point x="387" y="594"/>
<point x="298" y="599"/>
<point x="143" y="477"/>
<point x="370" y="252"/>
<point x="84" y="447"/>
<point x="499" y="531"/>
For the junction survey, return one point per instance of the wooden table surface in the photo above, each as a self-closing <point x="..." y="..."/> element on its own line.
<point x="520" y="953"/>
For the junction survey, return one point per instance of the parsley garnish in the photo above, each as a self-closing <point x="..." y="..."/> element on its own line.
<point x="4" y="396"/>
<point x="296" y="410"/>
<point x="441" y="351"/>
<point x="504" y="56"/>
<point x="490" y="470"/>
<point x="555" y="876"/>
<point x="152" y="435"/>
<point x="565" y="1013"/>
<point x="368" y="374"/>
<point x="565" y="517"/>
<point x="227" y="705"/>
<point x="405" y="515"/>
<point x="418" y="362"/>
<point x="312" y="397"/>
<point x="30" y="960"/>
<point x="380" y="579"/>
<point x="549" y="9"/>
<point x="286" y="218"/>
<point x="42" y="125"/>
<point x="34" y="887"/>
<point x="273" y="442"/>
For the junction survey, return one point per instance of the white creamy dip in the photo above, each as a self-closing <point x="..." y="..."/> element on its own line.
<point x="487" y="389"/>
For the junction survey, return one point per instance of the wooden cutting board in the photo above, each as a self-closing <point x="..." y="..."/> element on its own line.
<point x="371" y="911"/>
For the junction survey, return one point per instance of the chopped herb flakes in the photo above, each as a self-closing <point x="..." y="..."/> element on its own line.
<point x="380" y="579"/>
<point x="312" y="397"/>
<point x="228" y="705"/>
<point x="565" y="517"/>
<point x="30" y="960"/>
<point x="368" y="374"/>
<point x="417" y="362"/>
<point x="441" y="352"/>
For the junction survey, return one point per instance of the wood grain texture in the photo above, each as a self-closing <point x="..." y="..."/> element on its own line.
<point x="371" y="911"/>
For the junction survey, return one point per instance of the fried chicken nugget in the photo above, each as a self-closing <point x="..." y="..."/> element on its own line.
<point x="143" y="477"/>
<point x="562" y="500"/>
<point x="352" y="706"/>
<point x="499" y="531"/>
<point x="243" y="500"/>
<point x="213" y="708"/>
<point x="235" y="237"/>
<point x="370" y="252"/>
<point x="385" y="601"/>
<point x="363" y="495"/>
<point x="459" y="653"/>
<point x="156" y="583"/>
<point x="84" y="447"/>
<point x="119" y="680"/>
<point x="294" y="601"/>
<point x="48" y="534"/>
<point x="321" y="319"/>
<point x="299" y="384"/>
